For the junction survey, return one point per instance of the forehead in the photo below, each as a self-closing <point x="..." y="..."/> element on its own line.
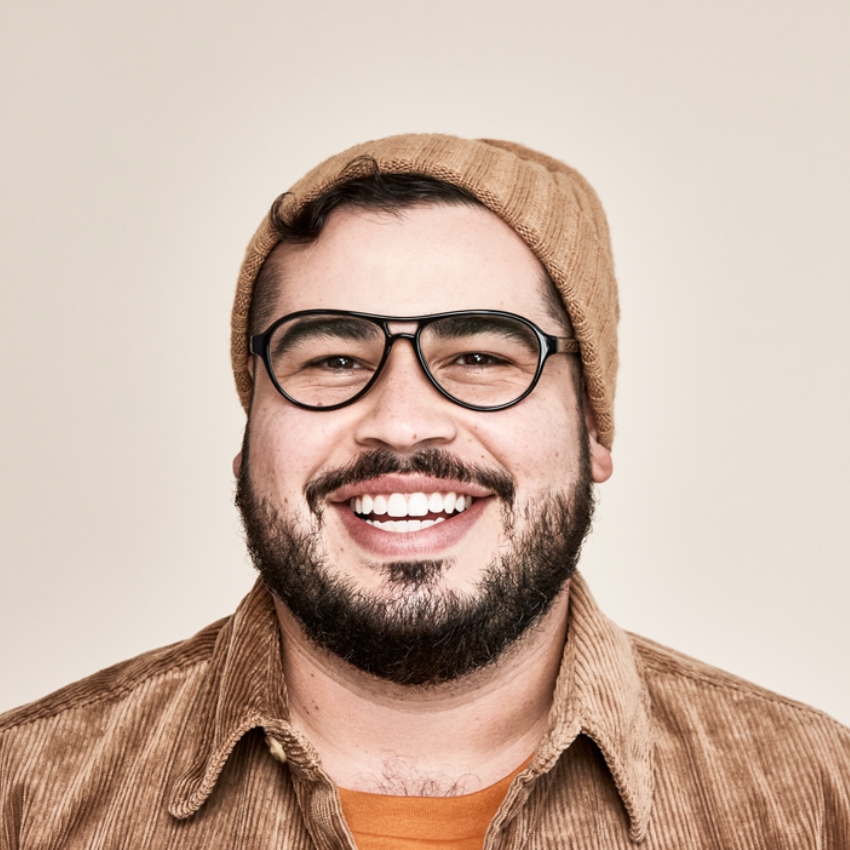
<point x="419" y="260"/>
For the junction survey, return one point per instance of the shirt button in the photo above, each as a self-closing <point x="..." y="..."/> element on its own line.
<point x="276" y="748"/>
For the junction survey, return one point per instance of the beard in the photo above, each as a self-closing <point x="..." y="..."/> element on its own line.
<point x="411" y="631"/>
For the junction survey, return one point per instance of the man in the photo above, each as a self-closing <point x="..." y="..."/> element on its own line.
<point x="424" y="340"/>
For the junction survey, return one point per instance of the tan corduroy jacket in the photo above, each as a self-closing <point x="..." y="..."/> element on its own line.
<point x="645" y="747"/>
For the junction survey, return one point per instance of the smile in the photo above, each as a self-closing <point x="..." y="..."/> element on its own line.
<point x="399" y="515"/>
<point x="408" y="512"/>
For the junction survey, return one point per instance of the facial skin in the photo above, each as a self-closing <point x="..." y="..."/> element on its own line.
<point x="423" y="260"/>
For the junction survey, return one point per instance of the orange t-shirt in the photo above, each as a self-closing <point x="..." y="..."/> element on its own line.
<point x="383" y="822"/>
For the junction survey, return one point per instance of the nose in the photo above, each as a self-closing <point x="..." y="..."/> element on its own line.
<point x="404" y="411"/>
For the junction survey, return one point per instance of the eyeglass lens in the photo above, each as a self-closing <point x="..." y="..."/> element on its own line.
<point x="485" y="361"/>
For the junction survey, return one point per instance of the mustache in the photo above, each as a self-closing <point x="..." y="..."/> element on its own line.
<point x="437" y="463"/>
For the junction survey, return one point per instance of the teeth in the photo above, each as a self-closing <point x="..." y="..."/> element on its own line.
<point x="417" y="504"/>
<point x="399" y="506"/>
<point x="399" y="525"/>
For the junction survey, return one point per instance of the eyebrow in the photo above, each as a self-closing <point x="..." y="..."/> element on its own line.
<point x="333" y="327"/>
<point x="453" y="327"/>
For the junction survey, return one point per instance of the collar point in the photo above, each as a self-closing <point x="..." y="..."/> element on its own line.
<point x="185" y="802"/>
<point x="638" y="830"/>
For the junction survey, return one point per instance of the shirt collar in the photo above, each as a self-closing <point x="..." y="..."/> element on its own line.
<point x="600" y="693"/>
<point x="243" y="688"/>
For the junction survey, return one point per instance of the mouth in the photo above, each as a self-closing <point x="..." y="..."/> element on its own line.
<point x="409" y="512"/>
<point x="397" y="514"/>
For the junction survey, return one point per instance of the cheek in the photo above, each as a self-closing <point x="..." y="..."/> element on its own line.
<point x="289" y="446"/>
<point x="536" y="442"/>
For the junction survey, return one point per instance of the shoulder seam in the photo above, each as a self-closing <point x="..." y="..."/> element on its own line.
<point x="112" y="694"/>
<point x="734" y="684"/>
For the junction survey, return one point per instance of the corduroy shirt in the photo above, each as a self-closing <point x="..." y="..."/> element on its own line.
<point x="191" y="746"/>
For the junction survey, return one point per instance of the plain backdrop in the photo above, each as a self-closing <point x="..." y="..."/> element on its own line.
<point x="143" y="142"/>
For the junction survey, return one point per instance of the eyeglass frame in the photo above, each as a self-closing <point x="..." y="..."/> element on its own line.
<point x="547" y="346"/>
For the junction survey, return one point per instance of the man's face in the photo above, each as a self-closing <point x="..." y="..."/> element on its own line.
<point x="518" y="471"/>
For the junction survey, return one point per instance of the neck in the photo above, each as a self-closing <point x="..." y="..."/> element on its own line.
<point x="455" y="738"/>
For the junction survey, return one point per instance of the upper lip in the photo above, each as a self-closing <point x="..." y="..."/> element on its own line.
<point x="396" y="483"/>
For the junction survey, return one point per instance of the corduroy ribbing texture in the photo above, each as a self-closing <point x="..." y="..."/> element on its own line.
<point x="182" y="748"/>
<point x="547" y="203"/>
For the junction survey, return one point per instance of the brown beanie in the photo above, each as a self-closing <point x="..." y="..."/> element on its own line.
<point x="549" y="205"/>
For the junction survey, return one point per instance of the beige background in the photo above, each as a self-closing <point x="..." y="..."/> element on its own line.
<point x="142" y="143"/>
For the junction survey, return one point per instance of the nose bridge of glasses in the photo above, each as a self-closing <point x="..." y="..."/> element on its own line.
<point x="396" y="330"/>
<point x="400" y="329"/>
<point x="413" y="360"/>
<point x="410" y="335"/>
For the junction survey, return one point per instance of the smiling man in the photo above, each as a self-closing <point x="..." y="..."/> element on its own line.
<point x="424" y="338"/>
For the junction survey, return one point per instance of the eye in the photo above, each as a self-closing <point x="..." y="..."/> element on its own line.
<point x="477" y="358"/>
<point x="338" y="363"/>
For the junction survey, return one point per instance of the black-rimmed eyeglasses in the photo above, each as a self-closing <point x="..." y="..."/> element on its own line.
<point x="479" y="359"/>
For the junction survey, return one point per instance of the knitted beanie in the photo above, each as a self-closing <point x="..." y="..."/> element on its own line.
<point x="547" y="203"/>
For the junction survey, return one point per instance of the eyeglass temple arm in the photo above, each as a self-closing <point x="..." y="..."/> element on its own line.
<point x="563" y="345"/>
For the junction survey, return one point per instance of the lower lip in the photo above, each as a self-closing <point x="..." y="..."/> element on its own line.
<point x="400" y="544"/>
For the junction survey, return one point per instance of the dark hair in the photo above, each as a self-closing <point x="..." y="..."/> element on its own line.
<point x="385" y="192"/>
<point x="373" y="191"/>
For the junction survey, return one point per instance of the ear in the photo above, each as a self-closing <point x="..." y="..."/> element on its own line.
<point x="601" y="462"/>
<point x="237" y="464"/>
